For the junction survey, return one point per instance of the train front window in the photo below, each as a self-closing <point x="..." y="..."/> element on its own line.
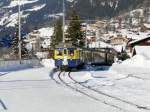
<point x="65" y="52"/>
<point x="71" y="52"/>
<point x="59" y="53"/>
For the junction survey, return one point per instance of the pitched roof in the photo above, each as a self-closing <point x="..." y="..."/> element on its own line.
<point x="139" y="40"/>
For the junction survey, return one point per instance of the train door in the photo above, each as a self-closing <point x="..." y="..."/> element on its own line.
<point x="65" y="59"/>
<point x="71" y="54"/>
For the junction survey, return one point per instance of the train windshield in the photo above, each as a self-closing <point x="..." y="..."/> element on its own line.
<point x="59" y="53"/>
<point x="71" y="52"/>
<point x="65" y="51"/>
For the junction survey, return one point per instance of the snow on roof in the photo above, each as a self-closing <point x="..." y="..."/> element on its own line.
<point x="133" y="35"/>
<point x="119" y="48"/>
<point x="132" y="13"/>
<point x="129" y="34"/>
<point x="46" y="32"/>
<point x="56" y="15"/>
<point x="46" y="43"/>
<point x="132" y="42"/>
<point x="143" y="50"/>
<point x="147" y="25"/>
<point x="99" y="45"/>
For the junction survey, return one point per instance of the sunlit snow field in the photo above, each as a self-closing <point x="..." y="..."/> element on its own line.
<point x="34" y="90"/>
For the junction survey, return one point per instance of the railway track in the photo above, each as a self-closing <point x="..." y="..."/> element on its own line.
<point x="140" y="108"/>
<point x="82" y="90"/>
<point x="133" y="76"/>
<point x="3" y="105"/>
<point x="53" y="78"/>
<point x="64" y="78"/>
<point x="2" y="74"/>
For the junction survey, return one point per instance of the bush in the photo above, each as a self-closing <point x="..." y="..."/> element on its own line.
<point x="123" y="56"/>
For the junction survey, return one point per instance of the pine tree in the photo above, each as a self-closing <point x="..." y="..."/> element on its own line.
<point x="58" y="33"/>
<point x="24" y="51"/>
<point x="15" y="43"/>
<point x="74" y="33"/>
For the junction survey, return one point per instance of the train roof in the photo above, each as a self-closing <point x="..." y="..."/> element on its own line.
<point x="65" y="45"/>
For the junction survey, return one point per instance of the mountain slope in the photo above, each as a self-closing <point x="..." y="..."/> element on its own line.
<point x="40" y="12"/>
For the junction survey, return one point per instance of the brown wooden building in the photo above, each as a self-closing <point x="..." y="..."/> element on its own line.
<point x="140" y="42"/>
<point x="119" y="40"/>
<point x="145" y="28"/>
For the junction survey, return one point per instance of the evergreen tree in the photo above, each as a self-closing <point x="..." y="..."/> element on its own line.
<point x="24" y="51"/>
<point x="58" y="33"/>
<point x="15" y="42"/>
<point x="15" y="45"/>
<point x="74" y="33"/>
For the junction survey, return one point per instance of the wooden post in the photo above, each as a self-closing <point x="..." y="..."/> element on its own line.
<point x="106" y="56"/>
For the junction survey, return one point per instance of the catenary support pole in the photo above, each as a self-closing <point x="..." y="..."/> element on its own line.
<point x="19" y="29"/>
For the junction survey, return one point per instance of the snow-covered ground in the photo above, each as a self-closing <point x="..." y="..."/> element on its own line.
<point x="119" y="88"/>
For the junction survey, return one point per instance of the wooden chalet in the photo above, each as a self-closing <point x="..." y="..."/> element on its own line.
<point x="139" y="44"/>
<point x="119" y="40"/>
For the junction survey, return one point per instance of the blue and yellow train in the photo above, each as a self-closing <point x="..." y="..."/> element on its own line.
<point x="67" y="57"/>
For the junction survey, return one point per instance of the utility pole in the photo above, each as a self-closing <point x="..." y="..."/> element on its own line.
<point x="19" y="30"/>
<point x="63" y="27"/>
<point x="86" y="40"/>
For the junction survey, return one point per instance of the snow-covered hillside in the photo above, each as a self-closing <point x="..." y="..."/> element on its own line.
<point x="41" y="12"/>
<point x="33" y="14"/>
<point x="21" y="2"/>
<point x="10" y="15"/>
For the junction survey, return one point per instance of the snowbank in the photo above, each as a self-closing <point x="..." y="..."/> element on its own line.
<point x="27" y="72"/>
<point x="48" y="63"/>
<point x="14" y="65"/>
<point x="143" y="50"/>
<point x="136" y="61"/>
<point x="27" y="75"/>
